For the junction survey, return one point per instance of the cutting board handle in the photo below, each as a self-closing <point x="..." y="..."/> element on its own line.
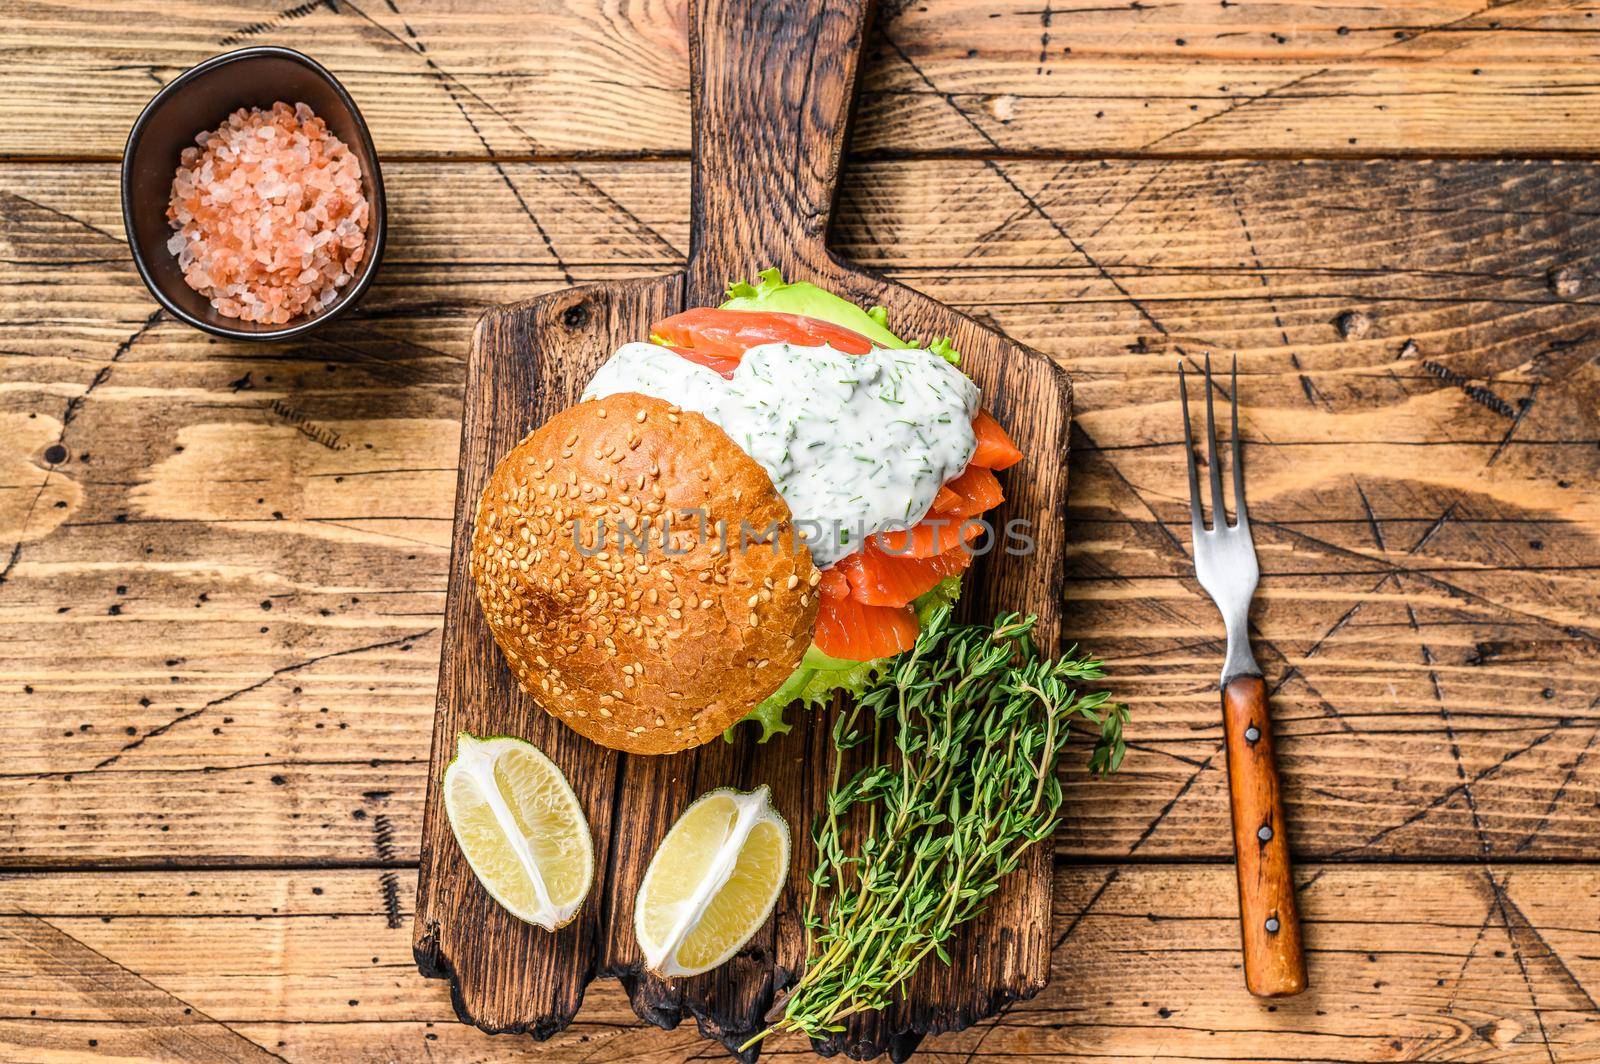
<point x="772" y="86"/>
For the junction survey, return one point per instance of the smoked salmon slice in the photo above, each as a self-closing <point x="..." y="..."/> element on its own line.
<point x="879" y="579"/>
<point x="995" y="449"/>
<point x="935" y="534"/>
<point x="896" y="567"/>
<point x="974" y="491"/>
<point x="730" y="333"/>
<point x="721" y="363"/>
<point x="855" y="631"/>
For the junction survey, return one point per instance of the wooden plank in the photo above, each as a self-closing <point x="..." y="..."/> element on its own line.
<point x="1408" y="961"/>
<point x="324" y="957"/>
<point x="1429" y="599"/>
<point x="472" y="78"/>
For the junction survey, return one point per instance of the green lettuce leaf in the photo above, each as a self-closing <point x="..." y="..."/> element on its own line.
<point x="945" y="348"/>
<point x="811" y="685"/>
<point x="775" y="294"/>
<point x="814" y="681"/>
<point x="945" y="593"/>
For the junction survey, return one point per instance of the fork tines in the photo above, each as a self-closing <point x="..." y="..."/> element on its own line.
<point x="1219" y="516"/>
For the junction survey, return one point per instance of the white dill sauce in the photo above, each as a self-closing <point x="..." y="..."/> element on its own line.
<point x="856" y="444"/>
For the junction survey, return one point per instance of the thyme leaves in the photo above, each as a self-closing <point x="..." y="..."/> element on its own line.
<point x="958" y="743"/>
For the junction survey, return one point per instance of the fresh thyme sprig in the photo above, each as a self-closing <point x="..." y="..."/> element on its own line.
<point x="959" y="779"/>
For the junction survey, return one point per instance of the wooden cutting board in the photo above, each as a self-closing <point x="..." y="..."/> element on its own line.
<point x="772" y="85"/>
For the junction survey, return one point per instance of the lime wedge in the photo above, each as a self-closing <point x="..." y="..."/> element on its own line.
<point x="521" y="828"/>
<point x="712" y="882"/>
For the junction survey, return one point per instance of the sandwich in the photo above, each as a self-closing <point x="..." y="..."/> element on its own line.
<point x="757" y="506"/>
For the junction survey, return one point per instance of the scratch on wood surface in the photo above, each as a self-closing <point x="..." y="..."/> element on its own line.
<point x="1149" y="829"/>
<point x="1451" y="588"/>
<point x="1433" y="529"/>
<point x="1088" y="907"/>
<point x="1561" y="790"/>
<point x="1392" y="574"/>
<point x="1332" y="630"/>
<point x="1306" y="383"/>
<point x="1137" y="194"/>
<point x="1463" y="786"/>
<point x="993" y="167"/>
<point x="64" y="216"/>
<point x="389" y="885"/>
<point x="1276" y="91"/>
<point x="1450" y="727"/>
<point x="383" y="837"/>
<point x="1349" y="613"/>
<point x="402" y="373"/>
<point x="449" y="84"/>
<point x="1478" y="393"/>
<point x="420" y="50"/>
<point x="286" y="15"/>
<point x="452" y="85"/>
<point x="1497" y="888"/>
<point x="1466" y="961"/>
<point x="1522" y="411"/>
<point x="1045" y="17"/>
<point x="1232" y="107"/>
<point x="1518" y="925"/>
<point x="388" y="881"/>
<point x="59" y="448"/>
<point x="1372" y="521"/>
<point x="1502" y="906"/>
<point x="306" y="427"/>
<point x="171" y="1028"/>
<point x="183" y="717"/>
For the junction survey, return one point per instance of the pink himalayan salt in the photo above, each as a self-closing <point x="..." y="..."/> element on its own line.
<point x="270" y="216"/>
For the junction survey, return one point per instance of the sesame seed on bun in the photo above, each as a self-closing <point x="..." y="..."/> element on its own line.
<point x="641" y="574"/>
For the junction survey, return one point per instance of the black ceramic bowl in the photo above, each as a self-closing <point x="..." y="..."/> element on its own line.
<point x="200" y="99"/>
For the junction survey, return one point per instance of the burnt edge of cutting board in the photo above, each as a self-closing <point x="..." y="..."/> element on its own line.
<point x="529" y="360"/>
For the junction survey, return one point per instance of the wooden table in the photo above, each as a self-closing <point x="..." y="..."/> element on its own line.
<point x="222" y="566"/>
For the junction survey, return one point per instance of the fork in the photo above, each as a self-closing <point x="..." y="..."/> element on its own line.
<point x="1225" y="563"/>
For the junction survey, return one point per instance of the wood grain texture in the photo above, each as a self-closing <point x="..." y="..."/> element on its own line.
<point x="1415" y="962"/>
<point x="1269" y="920"/>
<point x="1428" y="582"/>
<point x="242" y="676"/>
<point x="1378" y="485"/>
<point x="476" y="78"/>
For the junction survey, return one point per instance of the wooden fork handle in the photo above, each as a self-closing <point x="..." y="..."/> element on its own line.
<point x="1274" y="962"/>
